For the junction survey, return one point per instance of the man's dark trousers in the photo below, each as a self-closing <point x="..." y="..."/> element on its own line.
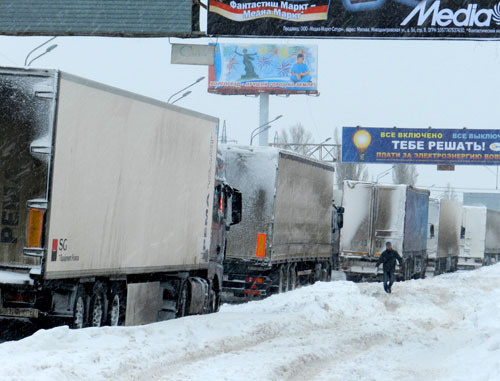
<point x="388" y="280"/>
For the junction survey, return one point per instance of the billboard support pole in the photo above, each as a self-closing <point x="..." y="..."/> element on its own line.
<point x="264" y="118"/>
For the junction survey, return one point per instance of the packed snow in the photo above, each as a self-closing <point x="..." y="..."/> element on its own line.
<point x="442" y="328"/>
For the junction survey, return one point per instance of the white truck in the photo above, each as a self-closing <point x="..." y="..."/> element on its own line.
<point x="432" y="235"/>
<point x="285" y="237"/>
<point x="492" y="245"/>
<point x="450" y="222"/>
<point x="112" y="212"/>
<point x="375" y="214"/>
<point x="472" y="237"/>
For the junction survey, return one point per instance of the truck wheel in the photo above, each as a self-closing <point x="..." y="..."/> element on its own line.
<point x="183" y="300"/>
<point x="324" y="272"/>
<point x="422" y="273"/>
<point x="292" y="276"/>
<point x="79" y="309"/>
<point x="281" y="280"/>
<point x="286" y="273"/>
<point x="214" y="301"/>
<point x="97" y="306"/>
<point x="117" y="306"/>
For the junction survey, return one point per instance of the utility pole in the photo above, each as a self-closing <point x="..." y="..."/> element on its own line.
<point x="264" y="118"/>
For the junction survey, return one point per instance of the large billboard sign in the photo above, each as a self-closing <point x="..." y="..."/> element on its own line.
<point x="408" y="19"/>
<point x="117" y="18"/>
<point x="420" y="146"/>
<point x="264" y="69"/>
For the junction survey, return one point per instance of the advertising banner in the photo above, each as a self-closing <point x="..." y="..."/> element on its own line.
<point x="420" y="146"/>
<point x="407" y="19"/>
<point x="268" y="69"/>
<point x="190" y="54"/>
<point x="116" y="18"/>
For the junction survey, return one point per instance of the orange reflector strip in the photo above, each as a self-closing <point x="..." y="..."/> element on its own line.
<point x="251" y="292"/>
<point x="261" y="245"/>
<point x="35" y="225"/>
<point x="260" y="280"/>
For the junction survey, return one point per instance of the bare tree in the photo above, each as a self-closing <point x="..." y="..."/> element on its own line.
<point x="295" y="137"/>
<point x="449" y="193"/>
<point x="404" y="174"/>
<point x="347" y="171"/>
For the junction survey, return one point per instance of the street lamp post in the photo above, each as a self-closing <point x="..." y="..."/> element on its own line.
<point x="37" y="47"/>
<point x="187" y="87"/>
<point x="182" y="96"/>
<point x="317" y="147"/>
<point x="257" y="131"/>
<point x="384" y="173"/>
<point x="48" y="50"/>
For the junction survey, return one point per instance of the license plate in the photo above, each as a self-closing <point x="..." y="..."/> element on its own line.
<point x="19" y="312"/>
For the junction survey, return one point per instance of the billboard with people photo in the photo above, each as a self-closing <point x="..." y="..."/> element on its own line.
<point x="257" y="69"/>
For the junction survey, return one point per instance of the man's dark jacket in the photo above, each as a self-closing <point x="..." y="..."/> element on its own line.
<point x="388" y="258"/>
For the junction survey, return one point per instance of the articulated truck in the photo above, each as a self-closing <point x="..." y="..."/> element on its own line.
<point x="112" y="210"/>
<point x="472" y="237"/>
<point x="285" y="237"/>
<point x="376" y="214"/>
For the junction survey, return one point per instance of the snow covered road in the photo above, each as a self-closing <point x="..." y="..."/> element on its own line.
<point x="443" y="328"/>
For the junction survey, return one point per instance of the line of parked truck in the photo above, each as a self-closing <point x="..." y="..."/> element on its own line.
<point x="118" y="209"/>
<point x="434" y="236"/>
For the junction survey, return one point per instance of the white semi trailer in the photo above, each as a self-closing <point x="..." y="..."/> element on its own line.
<point x="112" y="212"/>
<point x="378" y="213"/>
<point x="285" y="237"/>
<point x="472" y="237"/>
<point x="432" y="235"/>
<point x="450" y="222"/>
<point x="492" y="245"/>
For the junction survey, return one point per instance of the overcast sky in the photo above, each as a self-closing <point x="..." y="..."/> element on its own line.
<point x="375" y="83"/>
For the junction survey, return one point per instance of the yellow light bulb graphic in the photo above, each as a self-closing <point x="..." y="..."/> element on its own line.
<point x="362" y="139"/>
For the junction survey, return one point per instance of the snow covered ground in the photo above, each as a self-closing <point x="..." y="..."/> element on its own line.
<point x="443" y="328"/>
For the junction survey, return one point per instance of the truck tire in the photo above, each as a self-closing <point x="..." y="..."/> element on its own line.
<point x="79" y="319"/>
<point x="214" y="299"/>
<point x="97" y="306"/>
<point x="183" y="299"/>
<point x="324" y="272"/>
<point x="286" y="272"/>
<point x="292" y="277"/>
<point x="317" y="274"/>
<point x="282" y="280"/>
<point x="117" y="305"/>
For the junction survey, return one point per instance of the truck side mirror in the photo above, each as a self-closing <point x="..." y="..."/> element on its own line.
<point x="236" y="205"/>
<point x="340" y="217"/>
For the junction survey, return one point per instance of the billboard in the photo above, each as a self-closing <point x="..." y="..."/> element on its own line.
<point x="134" y="18"/>
<point x="420" y="146"/>
<point x="406" y="19"/>
<point x="259" y="68"/>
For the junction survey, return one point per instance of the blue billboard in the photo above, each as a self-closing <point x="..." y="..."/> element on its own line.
<point x="420" y="146"/>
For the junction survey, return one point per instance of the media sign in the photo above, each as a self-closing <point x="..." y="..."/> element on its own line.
<point x="407" y="19"/>
<point x="268" y="69"/>
<point x="420" y="146"/>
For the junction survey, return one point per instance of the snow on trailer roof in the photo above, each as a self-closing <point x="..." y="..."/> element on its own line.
<point x="268" y="151"/>
<point x="5" y="70"/>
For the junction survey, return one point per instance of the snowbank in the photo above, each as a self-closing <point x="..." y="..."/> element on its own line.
<point x="443" y="328"/>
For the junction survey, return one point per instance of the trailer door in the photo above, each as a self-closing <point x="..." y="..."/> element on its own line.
<point x="26" y="120"/>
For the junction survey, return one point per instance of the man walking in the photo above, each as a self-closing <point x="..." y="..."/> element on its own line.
<point x="388" y="258"/>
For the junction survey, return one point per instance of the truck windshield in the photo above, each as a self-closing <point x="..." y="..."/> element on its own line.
<point x="24" y="119"/>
